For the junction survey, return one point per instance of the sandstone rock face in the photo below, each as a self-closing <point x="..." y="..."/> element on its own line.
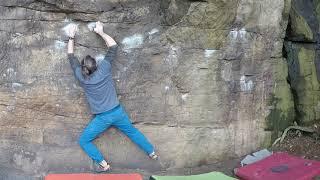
<point x="302" y="49"/>
<point x="204" y="80"/>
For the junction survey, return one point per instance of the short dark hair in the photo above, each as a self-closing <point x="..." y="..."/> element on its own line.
<point x="88" y="66"/>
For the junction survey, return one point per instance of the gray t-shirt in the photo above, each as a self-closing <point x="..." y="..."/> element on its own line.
<point x="99" y="87"/>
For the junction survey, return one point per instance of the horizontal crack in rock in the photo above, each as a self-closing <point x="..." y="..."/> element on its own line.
<point x="65" y="11"/>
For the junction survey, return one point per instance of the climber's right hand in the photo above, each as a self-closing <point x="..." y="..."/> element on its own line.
<point x="99" y="27"/>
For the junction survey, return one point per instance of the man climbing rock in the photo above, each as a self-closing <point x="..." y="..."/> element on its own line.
<point x="96" y="80"/>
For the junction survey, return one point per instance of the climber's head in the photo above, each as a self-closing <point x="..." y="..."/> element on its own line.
<point x="89" y="65"/>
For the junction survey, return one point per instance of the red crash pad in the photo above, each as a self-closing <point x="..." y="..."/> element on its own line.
<point x="86" y="176"/>
<point x="280" y="166"/>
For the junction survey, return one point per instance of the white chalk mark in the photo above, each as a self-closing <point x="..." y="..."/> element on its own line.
<point x="153" y="31"/>
<point x="209" y="52"/>
<point x="18" y="34"/>
<point x="10" y="70"/>
<point x="91" y="26"/>
<point x="10" y="108"/>
<point x="66" y="20"/>
<point x="242" y="33"/>
<point x="173" y="56"/>
<point x="131" y="42"/>
<point x="226" y="72"/>
<point x="173" y="53"/>
<point x="235" y="34"/>
<point x="68" y="27"/>
<point x="16" y="85"/>
<point x="245" y="85"/>
<point x="184" y="96"/>
<point x="59" y="44"/>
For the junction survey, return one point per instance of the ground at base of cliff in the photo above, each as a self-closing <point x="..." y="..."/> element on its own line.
<point x="306" y="145"/>
<point x="296" y="143"/>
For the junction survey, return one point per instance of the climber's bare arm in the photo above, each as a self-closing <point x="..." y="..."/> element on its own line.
<point x="71" y="46"/>
<point x="72" y="59"/>
<point x="72" y="32"/>
<point x="99" y="30"/>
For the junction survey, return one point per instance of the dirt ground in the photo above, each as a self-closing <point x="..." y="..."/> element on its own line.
<point x="306" y="145"/>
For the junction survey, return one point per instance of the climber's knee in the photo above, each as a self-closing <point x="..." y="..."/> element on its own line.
<point x="82" y="141"/>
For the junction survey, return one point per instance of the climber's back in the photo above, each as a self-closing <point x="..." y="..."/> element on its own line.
<point x="96" y="80"/>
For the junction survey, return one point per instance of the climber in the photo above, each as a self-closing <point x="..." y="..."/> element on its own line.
<point x="96" y="80"/>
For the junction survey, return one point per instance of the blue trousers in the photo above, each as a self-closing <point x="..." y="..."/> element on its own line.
<point x="116" y="117"/>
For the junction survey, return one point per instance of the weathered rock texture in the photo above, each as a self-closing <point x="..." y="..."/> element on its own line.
<point x="204" y="80"/>
<point x="302" y="51"/>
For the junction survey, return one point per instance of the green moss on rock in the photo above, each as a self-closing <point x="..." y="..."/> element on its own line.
<point x="308" y="68"/>
<point x="205" y="25"/>
<point x="317" y="9"/>
<point x="304" y="82"/>
<point x="267" y="140"/>
<point x="299" y="26"/>
<point x="282" y="112"/>
<point x="307" y="87"/>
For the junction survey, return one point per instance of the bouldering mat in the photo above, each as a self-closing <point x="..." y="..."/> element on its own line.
<point x="87" y="176"/>
<point x="206" y="176"/>
<point x="280" y="166"/>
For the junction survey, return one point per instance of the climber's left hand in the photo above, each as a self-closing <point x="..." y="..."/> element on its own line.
<point x="72" y="31"/>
